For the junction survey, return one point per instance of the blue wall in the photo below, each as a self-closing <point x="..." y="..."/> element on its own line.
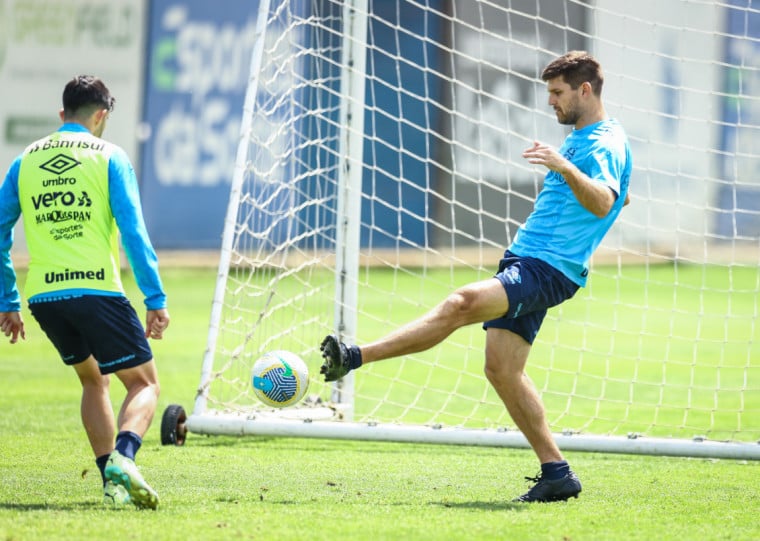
<point x="392" y="151"/>
<point x="197" y="70"/>
<point x="198" y="62"/>
<point x="739" y="197"/>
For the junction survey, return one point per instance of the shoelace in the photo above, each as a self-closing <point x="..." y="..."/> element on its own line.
<point x="536" y="479"/>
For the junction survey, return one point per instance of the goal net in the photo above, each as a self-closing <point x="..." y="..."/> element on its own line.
<point x="379" y="168"/>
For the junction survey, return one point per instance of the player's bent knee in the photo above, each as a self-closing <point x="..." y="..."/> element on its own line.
<point x="501" y="370"/>
<point x="460" y="306"/>
<point x="493" y="372"/>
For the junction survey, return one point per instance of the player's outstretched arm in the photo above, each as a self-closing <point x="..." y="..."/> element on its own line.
<point x="156" y="323"/>
<point x="12" y="325"/>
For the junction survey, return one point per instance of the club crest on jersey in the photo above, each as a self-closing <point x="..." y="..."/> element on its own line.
<point x="512" y="275"/>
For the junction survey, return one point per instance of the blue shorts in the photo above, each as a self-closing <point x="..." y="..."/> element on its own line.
<point x="105" y="327"/>
<point x="532" y="286"/>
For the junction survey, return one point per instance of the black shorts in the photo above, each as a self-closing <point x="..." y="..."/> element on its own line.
<point x="106" y="327"/>
<point x="532" y="286"/>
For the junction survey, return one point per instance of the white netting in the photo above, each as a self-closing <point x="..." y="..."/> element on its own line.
<point x="663" y="341"/>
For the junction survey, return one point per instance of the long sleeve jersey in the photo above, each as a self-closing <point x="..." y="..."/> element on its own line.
<point x="76" y="193"/>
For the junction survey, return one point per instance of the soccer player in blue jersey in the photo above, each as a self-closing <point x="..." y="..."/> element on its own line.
<point x="585" y="188"/>
<point x="77" y="193"/>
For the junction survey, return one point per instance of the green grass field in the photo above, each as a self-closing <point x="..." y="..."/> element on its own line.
<point x="267" y="488"/>
<point x="660" y="350"/>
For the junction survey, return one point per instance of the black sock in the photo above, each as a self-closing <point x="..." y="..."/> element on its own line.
<point x="555" y="470"/>
<point x="101" y="461"/>
<point x="128" y="443"/>
<point x="354" y="357"/>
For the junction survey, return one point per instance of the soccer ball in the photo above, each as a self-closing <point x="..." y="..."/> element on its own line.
<point x="280" y="378"/>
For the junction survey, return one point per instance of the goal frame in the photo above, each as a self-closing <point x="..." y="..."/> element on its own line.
<point x="202" y="421"/>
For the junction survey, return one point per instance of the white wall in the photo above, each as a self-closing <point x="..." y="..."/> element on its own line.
<point x="43" y="44"/>
<point x="661" y="62"/>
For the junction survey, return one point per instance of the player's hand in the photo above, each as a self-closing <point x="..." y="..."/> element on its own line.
<point x="546" y="155"/>
<point x="11" y="324"/>
<point x="156" y="323"/>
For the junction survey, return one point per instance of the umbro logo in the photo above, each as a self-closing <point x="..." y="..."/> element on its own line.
<point x="59" y="164"/>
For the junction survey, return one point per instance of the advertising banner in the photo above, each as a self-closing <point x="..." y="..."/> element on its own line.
<point x="44" y="44"/>
<point x="198" y="56"/>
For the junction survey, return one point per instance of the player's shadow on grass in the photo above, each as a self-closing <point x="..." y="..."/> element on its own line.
<point x="69" y="506"/>
<point x="484" y="506"/>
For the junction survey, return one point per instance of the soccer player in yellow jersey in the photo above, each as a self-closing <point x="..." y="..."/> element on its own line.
<point x="76" y="193"/>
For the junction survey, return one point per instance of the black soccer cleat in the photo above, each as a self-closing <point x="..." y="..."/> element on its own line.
<point x="557" y="490"/>
<point x="337" y="358"/>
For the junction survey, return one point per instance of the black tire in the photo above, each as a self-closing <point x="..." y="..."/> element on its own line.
<point x="173" y="429"/>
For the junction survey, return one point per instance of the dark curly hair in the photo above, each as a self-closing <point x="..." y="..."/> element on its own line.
<point x="576" y="68"/>
<point x="84" y="94"/>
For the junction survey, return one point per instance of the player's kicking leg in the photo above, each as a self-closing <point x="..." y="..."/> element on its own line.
<point x="135" y="417"/>
<point x="473" y="303"/>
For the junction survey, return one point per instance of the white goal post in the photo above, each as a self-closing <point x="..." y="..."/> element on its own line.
<point x="379" y="168"/>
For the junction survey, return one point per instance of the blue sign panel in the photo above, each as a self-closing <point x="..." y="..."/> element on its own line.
<point x="739" y="196"/>
<point x="199" y="55"/>
<point x="198" y="63"/>
<point x="398" y="214"/>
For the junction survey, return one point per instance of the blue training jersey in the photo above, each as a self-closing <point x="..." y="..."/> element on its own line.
<point x="560" y="230"/>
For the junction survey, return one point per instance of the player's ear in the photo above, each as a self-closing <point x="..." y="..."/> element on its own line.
<point x="99" y="117"/>
<point x="61" y="115"/>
